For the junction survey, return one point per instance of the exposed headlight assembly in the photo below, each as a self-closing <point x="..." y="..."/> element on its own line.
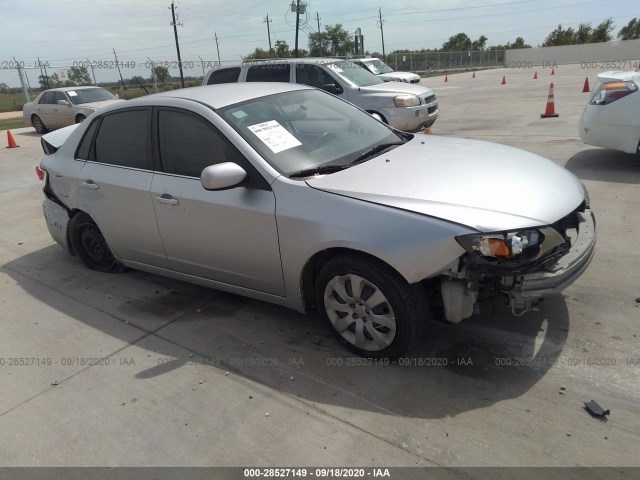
<point x="406" y="101"/>
<point x="518" y="247"/>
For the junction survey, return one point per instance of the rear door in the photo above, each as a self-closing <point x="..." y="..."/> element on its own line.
<point x="114" y="186"/>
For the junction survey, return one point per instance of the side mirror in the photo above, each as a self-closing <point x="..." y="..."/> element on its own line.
<point x="222" y="176"/>
<point x="332" y="88"/>
<point x="63" y="102"/>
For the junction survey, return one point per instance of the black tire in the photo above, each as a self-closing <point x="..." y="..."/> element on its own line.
<point x="404" y="309"/>
<point x="80" y="118"/>
<point x="379" y="116"/>
<point x="38" y="124"/>
<point x="87" y="241"/>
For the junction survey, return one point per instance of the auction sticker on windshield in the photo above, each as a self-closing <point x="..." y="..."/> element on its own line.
<point x="274" y="136"/>
<point x="72" y="93"/>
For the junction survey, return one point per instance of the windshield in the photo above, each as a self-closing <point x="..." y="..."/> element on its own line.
<point x="89" y="95"/>
<point x="354" y="73"/>
<point x="378" y="67"/>
<point x="305" y="129"/>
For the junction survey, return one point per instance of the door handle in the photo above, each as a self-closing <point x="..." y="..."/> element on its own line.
<point x="90" y="185"/>
<point x="167" y="199"/>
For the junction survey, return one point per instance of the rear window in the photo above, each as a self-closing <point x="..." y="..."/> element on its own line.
<point x="224" y="75"/>
<point x="271" y="72"/>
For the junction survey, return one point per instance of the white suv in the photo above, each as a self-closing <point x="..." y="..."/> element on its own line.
<point x="404" y="106"/>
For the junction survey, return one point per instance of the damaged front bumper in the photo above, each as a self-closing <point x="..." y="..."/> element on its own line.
<point x="556" y="277"/>
<point x="462" y="292"/>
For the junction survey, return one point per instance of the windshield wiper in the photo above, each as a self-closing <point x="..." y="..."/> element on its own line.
<point x="321" y="170"/>
<point x="372" y="151"/>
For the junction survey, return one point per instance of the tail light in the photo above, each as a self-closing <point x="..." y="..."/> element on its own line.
<point x="41" y="174"/>
<point x="606" y="93"/>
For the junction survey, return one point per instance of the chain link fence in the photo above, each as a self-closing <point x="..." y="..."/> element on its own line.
<point x="423" y="63"/>
<point x="21" y="83"/>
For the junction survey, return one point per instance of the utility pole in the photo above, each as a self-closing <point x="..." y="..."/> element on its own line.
<point x="118" y="65"/>
<point x="93" y="73"/>
<point x="297" y="26"/>
<point x="381" y="31"/>
<point x="217" y="48"/>
<point x="267" y="21"/>
<point x="175" y="34"/>
<point x="319" y="34"/>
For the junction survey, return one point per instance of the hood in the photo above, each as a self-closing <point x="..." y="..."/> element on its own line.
<point x="97" y="105"/>
<point x="482" y="185"/>
<point x="397" y="87"/>
<point x="405" y="76"/>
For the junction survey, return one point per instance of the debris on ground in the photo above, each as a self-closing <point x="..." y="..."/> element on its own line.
<point x="226" y="374"/>
<point x="55" y="382"/>
<point x="596" y="410"/>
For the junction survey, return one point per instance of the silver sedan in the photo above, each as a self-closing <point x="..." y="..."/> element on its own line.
<point x="290" y="195"/>
<point x="60" y="107"/>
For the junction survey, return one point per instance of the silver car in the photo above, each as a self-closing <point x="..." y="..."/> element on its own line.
<point x="60" y="107"/>
<point x="403" y="106"/>
<point x="290" y="195"/>
<point x="385" y="72"/>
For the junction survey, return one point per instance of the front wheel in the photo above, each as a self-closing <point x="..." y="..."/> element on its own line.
<point x="80" y="118"/>
<point x="371" y="309"/>
<point x="87" y="241"/>
<point x="38" y="124"/>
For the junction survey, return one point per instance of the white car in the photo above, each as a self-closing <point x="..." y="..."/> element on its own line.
<point x="385" y="72"/>
<point x="61" y="107"/>
<point x="611" y="119"/>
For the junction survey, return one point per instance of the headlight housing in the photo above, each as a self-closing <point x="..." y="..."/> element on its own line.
<point x="512" y="247"/>
<point x="406" y="100"/>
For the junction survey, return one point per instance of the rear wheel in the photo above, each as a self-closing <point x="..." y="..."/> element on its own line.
<point x="38" y="124"/>
<point x="370" y="308"/>
<point x="88" y="242"/>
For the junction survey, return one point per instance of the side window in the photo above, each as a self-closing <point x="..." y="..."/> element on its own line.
<point x="84" y="150"/>
<point x="271" y="72"/>
<point x="188" y="144"/>
<point x="122" y="139"/>
<point x="224" y="75"/>
<point x="59" y="96"/>
<point x="47" y="98"/>
<point x="313" y="75"/>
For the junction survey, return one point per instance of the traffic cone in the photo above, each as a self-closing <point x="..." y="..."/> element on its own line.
<point x="553" y="71"/>
<point x="535" y="75"/>
<point x="585" y="89"/>
<point x="474" y="75"/>
<point x="504" y="80"/>
<point x="426" y="131"/>
<point x="11" y="141"/>
<point x="550" y="111"/>
<point x="446" y="78"/>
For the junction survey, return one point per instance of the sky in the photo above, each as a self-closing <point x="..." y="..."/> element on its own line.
<point x="62" y="32"/>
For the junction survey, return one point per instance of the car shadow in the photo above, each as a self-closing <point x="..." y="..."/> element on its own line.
<point x="605" y="165"/>
<point x="453" y="369"/>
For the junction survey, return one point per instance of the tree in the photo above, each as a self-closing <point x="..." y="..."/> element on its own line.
<point x="456" y="43"/>
<point x="480" y="43"/>
<point x="584" y="34"/>
<point x="162" y="73"/>
<point x="631" y="31"/>
<point x="335" y="41"/>
<point x="78" y="76"/>
<point x="4" y="88"/>
<point x="282" y="49"/>
<point x="258" y="54"/>
<point x="602" y="33"/>
<point x="518" y="43"/>
<point x="49" y="81"/>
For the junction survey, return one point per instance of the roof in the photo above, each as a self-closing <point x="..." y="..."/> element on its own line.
<point x="223" y="94"/>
